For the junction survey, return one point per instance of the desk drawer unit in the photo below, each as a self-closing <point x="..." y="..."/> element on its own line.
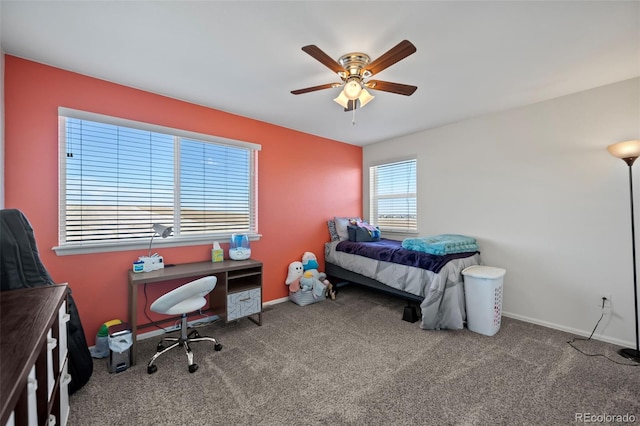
<point x="244" y="303"/>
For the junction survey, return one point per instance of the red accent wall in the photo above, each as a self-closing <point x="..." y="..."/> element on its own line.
<point x="304" y="180"/>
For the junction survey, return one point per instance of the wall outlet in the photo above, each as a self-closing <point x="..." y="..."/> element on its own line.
<point x="607" y="302"/>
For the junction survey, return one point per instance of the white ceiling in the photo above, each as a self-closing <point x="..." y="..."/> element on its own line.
<point x="244" y="57"/>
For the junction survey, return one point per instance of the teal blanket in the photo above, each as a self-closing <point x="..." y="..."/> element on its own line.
<point x="441" y="244"/>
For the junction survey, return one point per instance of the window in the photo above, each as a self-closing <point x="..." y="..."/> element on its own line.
<point x="392" y="196"/>
<point x="119" y="177"/>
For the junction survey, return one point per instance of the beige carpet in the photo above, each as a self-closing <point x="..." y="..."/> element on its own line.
<point x="353" y="361"/>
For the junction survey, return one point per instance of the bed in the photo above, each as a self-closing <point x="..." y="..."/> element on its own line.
<point x="433" y="281"/>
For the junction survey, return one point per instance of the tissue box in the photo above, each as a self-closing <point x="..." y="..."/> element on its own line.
<point x="217" y="255"/>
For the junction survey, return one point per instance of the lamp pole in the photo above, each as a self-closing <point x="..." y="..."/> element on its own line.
<point x="633" y="354"/>
<point x="629" y="151"/>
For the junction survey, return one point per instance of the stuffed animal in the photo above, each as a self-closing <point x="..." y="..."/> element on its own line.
<point x="309" y="261"/>
<point x="310" y="264"/>
<point x="293" y="276"/>
<point x="309" y="283"/>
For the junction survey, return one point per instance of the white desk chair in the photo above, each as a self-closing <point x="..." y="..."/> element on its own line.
<point x="187" y="298"/>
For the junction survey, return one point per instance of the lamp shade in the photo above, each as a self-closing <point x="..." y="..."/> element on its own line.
<point x="365" y="97"/>
<point x="625" y="150"/>
<point x="163" y="231"/>
<point x="352" y="89"/>
<point x="342" y="100"/>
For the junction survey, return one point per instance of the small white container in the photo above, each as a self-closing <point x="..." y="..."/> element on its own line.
<point x="483" y="298"/>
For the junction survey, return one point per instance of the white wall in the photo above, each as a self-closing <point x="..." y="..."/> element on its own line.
<point x="538" y="189"/>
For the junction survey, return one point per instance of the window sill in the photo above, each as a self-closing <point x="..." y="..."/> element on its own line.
<point x="102" y="247"/>
<point x="398" y="235"/>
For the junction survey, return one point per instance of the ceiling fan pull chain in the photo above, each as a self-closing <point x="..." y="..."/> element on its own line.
<point x="353" y="119"/>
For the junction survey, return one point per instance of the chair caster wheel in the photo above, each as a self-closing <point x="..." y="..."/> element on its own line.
<point x="217" y="346"/>
<point x="152" y="369"/>
<point x="160" y="347"/>
<point x="193" y="368"/>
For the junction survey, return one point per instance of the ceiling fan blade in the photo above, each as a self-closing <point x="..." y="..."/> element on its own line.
<point x="385" y="86"/>
<point x="393" y="55"/>
<point x="314" y="88"/>
<point x="323" y="58"/>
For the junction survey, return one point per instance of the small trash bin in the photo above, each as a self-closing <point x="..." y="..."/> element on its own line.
<point x="120" y="342"/>
<point x="101" y="348"/>
<point x="483" y="298"/>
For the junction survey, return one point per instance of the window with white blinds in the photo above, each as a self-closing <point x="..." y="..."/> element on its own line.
<point x="119" y="177"/>
<point x="392" y="196"/>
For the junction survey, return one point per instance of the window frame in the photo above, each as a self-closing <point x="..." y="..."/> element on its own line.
<point x="70" y="248"/>
<point x="374" y="197"/>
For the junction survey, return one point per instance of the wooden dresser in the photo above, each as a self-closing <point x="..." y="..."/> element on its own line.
<point x="33" y="355"/>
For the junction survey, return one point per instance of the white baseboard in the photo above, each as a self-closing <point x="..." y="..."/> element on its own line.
<point x="199" y="321"/>
<point x="571" y="330"/>
<point x="276" y="301"/>
<point x="581" y="333"/>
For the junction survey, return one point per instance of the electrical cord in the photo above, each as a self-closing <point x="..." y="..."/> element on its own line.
<point x="571" y="342"/>
<point x="202" y="322"/>
<point x="146" y="314"/>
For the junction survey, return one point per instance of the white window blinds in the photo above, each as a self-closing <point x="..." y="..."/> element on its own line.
<point x="216" y="188"/>
<point x="118" y="178"/>
<point x="393" y="196"/>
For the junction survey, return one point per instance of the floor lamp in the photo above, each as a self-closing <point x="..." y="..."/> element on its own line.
<point x="629" y="151"/>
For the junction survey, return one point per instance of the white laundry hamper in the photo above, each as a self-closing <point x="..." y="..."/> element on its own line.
<point x="483" y="298"/>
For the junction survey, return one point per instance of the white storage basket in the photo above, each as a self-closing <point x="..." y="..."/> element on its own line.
<point x="304" y="298"/>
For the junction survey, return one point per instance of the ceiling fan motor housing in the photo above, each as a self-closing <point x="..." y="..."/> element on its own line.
<point x="354" y="65"/>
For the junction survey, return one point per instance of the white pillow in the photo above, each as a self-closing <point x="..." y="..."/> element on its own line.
<point x="341" y="226"/>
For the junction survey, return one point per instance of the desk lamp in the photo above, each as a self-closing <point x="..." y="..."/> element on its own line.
<point x="629" y="151"/>
<point x="161" y="230"/>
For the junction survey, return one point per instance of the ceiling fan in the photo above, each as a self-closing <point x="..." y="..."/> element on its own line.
<point x="354" y="69"/>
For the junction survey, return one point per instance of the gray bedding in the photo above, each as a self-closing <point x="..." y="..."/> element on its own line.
<point x="443" y="305"/>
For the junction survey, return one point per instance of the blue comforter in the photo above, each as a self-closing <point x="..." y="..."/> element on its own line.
<point x="441" y="244"/>
<point x="392" y="251"/>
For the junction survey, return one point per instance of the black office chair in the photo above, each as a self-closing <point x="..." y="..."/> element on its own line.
<point x="185" y="299"/>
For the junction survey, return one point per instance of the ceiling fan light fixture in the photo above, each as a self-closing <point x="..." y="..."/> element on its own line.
<point x="365" y="97"/>
<point x="342" y="100"/>
<point x="352" y="89"/>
